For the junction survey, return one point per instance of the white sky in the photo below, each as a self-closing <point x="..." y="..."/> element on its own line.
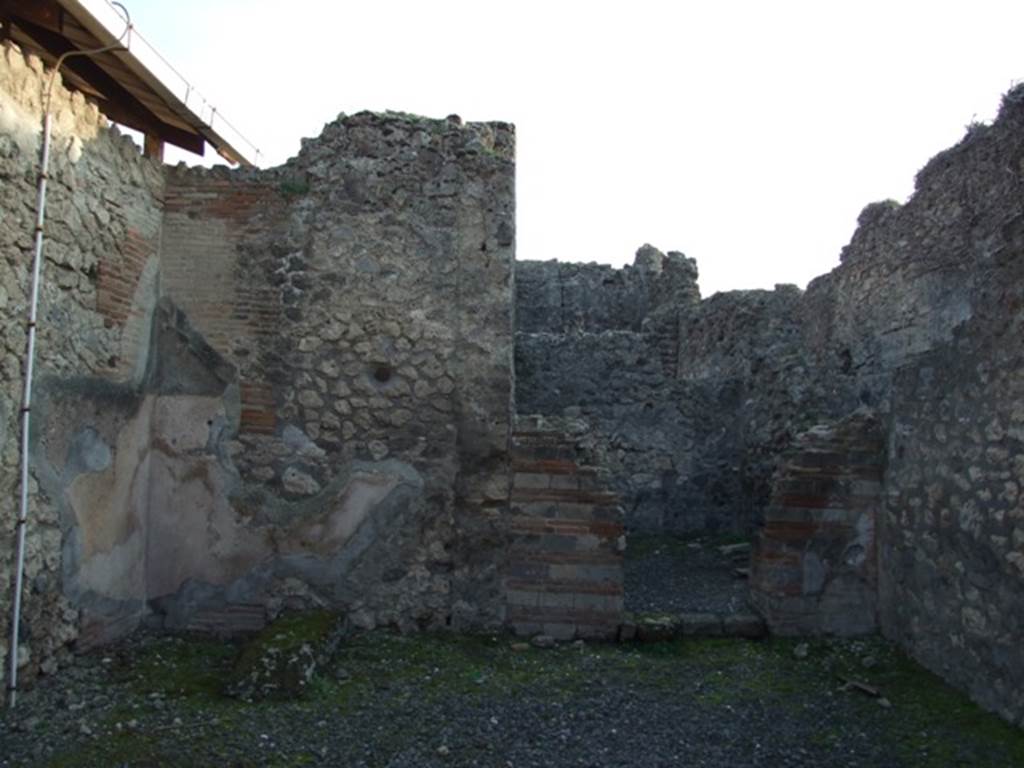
<point x="748" y="135"/>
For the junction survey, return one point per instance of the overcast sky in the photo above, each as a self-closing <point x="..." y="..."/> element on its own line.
<point x="748" y="135"/>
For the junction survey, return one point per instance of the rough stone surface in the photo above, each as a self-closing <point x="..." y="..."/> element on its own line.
<point x="358" y="299"/>
<point x="99" y="292"/>
<point x="563" y="575"/>
<point x="566" y="298"/>
<point x="952" y="534"/>
<point x="259" y="390"/>
<point x="691" y="401"/>
<point x="814" y="567"/>
<point x="600" y="344"/>
<point x="282" y="661"/>
<point x="268" y="390"/>
<point x="671" y="575"/>
<point x="920" y="322"/>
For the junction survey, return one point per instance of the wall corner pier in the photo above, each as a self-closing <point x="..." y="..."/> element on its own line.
<point x="814" y="568"/>
<point x="264" y="390"/>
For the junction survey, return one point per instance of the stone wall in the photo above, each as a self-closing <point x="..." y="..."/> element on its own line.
<point x="952" y="552"/>
<point x="600" y="344"/>
<point x="259" y="390"/>
<point x="952" y="537"/>
<point x="563" y="575"/>
<point x="814" y="567"/>
<point x="99" y="293"/>
<point x="693" y="400"/>
<point x="747" y="350"/>
<point x="360" y="298"/>
<point x="271" y="389"/>
<point x="565" y="298"/>
<point x="920" y="322"/>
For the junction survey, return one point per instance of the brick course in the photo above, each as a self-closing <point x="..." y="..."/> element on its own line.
<point x="564" y="571"/>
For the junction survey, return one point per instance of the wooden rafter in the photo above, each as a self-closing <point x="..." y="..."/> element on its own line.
<point x="119" y="103"/>
<point x="126" y="91"/>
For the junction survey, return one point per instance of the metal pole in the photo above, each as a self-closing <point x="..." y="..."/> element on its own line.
<point x="26" y="406"/>
<point x="30" y="355"/>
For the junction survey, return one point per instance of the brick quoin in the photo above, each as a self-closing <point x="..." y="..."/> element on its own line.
<point x="207" y="221"/>
<point x="118" y="277"/>
<point x="257" y="414"/>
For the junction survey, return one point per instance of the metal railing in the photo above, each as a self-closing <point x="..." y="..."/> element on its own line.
<point x="106" y="12"/>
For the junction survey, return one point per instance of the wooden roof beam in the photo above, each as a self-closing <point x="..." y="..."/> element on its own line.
<point x="44" y="13"/>
<point x="119" y="104"/>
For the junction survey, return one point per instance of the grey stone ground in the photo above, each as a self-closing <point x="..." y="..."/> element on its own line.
<point x="675" y="575"/>
<point x="447" y="700"/>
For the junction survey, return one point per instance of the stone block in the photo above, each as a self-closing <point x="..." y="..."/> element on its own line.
<point x="700" y="624"/>
<point x="559" y="630"/>
<point x="747" y="625"/>
<point x="627" y="631"/>
<point x="652" y="629"/>
<point x="530" y="481"/>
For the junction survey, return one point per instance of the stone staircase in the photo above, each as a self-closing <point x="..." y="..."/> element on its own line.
<point x="564" y="573"/>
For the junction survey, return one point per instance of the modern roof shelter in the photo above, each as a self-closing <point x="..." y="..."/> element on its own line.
<point x="132" y="83"/>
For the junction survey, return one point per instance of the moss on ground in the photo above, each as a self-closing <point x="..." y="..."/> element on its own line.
<point x="289" y="633"/>
<point x="446" y="665"/>
<point x="177" y="666"/>
<point x="929" y="724"/>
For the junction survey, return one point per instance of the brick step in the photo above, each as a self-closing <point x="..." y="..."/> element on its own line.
<point x="567" y="606"/>
<point x="802" y="531"/>
<point x="564" y="623"/>
<point x="833" y="501"/>
<point x="555" y="510"/>
<point x="551" y="467"/>
<point x="562" y="482"/>
<point x="540" y="439"/>
<point x="571" y="558"/>
<point x="862" y="473"/>
<point x="566" y="586"/>
<point x="589" y="558"/>
<point x="532" y="422"/>
<point x="604" y="529"/>
<point x="538" y="436"/>
<point x="824" y="457"/>
<point x="816" y="483"/>
<point x="648" y="629"/>
<point x="524" y="568"/>
<point x="229" y="621"/>
<point x="565" y="496"/>
<point x="545" y="452"/>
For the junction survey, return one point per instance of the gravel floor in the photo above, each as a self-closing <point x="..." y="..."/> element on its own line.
<point x="388" y="700"/>
<point x="671" y="575"/>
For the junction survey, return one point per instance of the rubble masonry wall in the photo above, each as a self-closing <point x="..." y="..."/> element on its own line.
<point x="356" y="454"/>
<point x="258" y="390"/>
<point x="920" y="324"/>
<point x="269" y="389"/>
<point x="101" y="262"/>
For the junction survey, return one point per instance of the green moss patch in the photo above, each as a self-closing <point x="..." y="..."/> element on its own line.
<point x="170" y="711"/>
<point x="282" y="661"/>
<point x="176" y="666"/>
